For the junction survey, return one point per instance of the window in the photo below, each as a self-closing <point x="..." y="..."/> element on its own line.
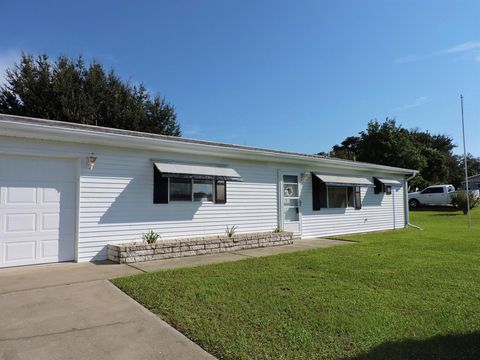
<point x="290" y="186"/>
<point x="433" y="190"/>
<point x="381" y="187"/>
<point x="337" y="197"/>
<point x="332" y="196"/>
<point x="341" y="197"/>
<point x="180" y="189"/>
<point x="202" y="190"/>
<point x="351" y="196"/>
<point x="220" y="192"/>
<point x="451" y="188"/>
<point x="191" y="190"/>
<point x="171" y="189"/>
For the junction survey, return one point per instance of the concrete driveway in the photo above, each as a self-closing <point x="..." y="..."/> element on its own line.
<point x="69" y="311"/>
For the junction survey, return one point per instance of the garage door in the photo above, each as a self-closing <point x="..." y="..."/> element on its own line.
<point x="37" y="210"/>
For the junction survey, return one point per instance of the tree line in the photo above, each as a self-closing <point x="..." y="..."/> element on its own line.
<point x="391" y="144"/>
<point x="70" y="90"/>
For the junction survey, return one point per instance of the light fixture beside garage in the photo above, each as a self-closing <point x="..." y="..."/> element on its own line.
<point x="91" y="161"/>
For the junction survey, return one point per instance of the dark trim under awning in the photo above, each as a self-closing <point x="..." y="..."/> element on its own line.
<point x="197" y="171"/>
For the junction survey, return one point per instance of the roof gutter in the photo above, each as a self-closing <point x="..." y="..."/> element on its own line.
<point x="58" y="133"/>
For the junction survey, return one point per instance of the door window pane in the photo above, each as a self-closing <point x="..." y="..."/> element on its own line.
<point x="337" y="197"/>
<point x="290" y="202"/>
<point x="291" y="214"/>
<point x="290" y="190"/>
<point x="202" y="190"/>
<point x="180" y="189"/>
<point x="292" y="179"/>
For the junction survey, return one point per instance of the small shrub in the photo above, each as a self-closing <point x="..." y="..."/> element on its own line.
<point x="277" y="229"/>
<point x="151" y="237"/>
<point x="459" y="200"/>
<point x="230" y="231"/>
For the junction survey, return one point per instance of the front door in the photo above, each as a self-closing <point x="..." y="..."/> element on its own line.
<point x="291" y="217"/>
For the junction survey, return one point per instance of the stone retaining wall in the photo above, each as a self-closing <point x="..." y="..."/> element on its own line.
<point x="138" y="252"/>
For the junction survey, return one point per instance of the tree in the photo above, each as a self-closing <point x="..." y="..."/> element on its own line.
<point x="390" y="144"/>
<point x="381" y="143"/>
<point x="69" y="90"/>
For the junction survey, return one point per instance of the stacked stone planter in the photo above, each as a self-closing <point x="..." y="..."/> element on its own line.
<point x="138" y="252"/>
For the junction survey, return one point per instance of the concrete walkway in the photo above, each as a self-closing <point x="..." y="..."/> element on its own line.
<point x="298" y="245"/>
<point x="71" y="311"/>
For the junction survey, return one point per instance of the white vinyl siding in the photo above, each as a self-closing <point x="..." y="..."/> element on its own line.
<point x="377" y="213"/>
<point x="120" y="208"/>
<point x="115" y="200"/>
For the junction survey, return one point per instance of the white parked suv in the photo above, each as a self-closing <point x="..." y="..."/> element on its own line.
<point x="432" y="195"/>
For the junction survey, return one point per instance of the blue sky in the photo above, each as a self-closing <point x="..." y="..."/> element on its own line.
<point x="292" y="75"/>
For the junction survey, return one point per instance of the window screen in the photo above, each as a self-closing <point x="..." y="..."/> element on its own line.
<point x="220" y="192"/>
<point x="180" y="189"/>
<point x="203" y="190"/>
<point x="337" y="197"/>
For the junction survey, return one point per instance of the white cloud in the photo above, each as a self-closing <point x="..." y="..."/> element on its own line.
<point x="7" y="59"/>
<point x="469" y="47"/>
<point x="406" y="59"/>
<point x="418" y="102"/>
<point x="466" y="46"/>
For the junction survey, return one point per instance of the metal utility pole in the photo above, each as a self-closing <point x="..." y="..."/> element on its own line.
<point x="466" y="166"/>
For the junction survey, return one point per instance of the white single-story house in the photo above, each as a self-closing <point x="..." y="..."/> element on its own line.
<point x="68" y="190"/>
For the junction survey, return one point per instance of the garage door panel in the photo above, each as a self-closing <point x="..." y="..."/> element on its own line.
<point x="51" y="195"/>
<point x="49" y="249"/>
<point x="50" y="221"/>
<point x="60" y="194"/>
<point x="20" y="251"/>
<point x="21" y="195"/>
<point x="37" y="210"/>
<point x="26" y="222"/>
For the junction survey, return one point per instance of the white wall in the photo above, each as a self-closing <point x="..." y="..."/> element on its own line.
<point x="116" y="202"/>
<point x="116" y="199"/>
<point x="378" y="212"/>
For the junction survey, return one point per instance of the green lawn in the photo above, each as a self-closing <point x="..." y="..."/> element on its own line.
<point x="403" y="294"/>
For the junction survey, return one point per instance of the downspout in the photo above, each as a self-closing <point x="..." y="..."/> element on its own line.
<point x="407" y="213"/>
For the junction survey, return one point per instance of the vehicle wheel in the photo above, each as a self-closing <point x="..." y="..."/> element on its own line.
<point x="413" y="203"/>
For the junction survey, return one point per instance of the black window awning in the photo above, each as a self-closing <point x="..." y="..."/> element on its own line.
<point x="387" y="181"/>
<point x="197" y="171"/>
<point x="344" y="180"/>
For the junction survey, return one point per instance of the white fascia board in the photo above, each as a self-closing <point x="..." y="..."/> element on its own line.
<point x="82" y="136"/>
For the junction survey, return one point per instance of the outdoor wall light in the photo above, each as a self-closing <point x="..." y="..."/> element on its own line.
<point x="91" y="161"/>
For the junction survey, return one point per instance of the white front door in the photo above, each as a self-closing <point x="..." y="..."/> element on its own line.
<point x="290" y="197"/>
<point x="37" y="210"/>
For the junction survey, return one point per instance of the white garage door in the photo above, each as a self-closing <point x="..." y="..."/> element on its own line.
<point x="37" y="210"/>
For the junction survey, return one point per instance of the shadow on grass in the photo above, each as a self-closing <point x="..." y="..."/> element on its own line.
<point x="449" y="209"/>
<point x="442" y="347"/>
<point x="457" y="214"/>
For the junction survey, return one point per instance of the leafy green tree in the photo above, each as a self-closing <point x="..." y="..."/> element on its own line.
<point x="69" y="90"/>
<point x="390" y="144"/>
